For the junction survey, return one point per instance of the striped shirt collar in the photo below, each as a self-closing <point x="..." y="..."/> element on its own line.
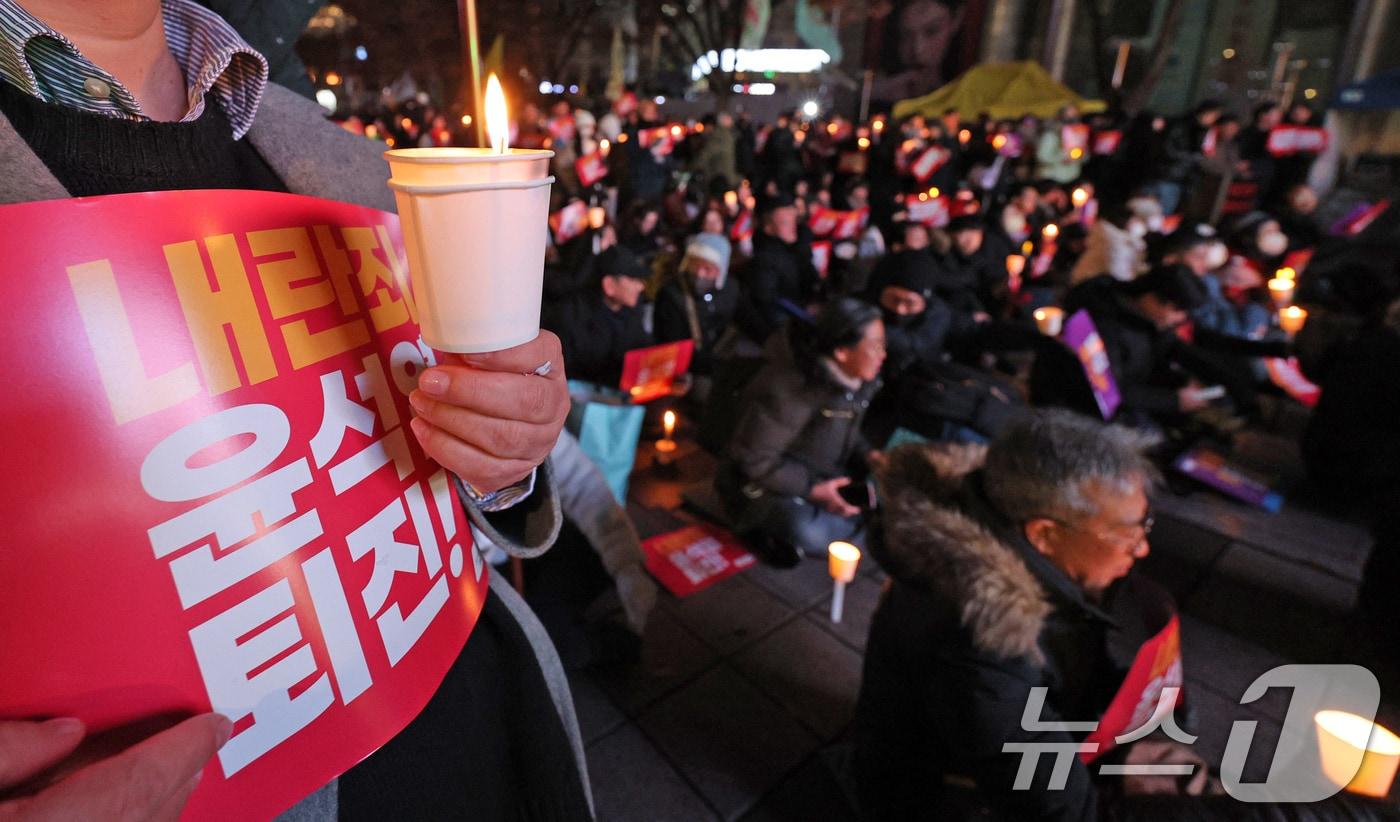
<point x="43" y="63"/>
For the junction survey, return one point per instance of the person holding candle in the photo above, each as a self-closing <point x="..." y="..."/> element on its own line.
<point x="167" y="96"/>
<point x="797" y="451"/>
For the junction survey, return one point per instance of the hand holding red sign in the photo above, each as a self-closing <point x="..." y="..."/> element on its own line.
<point x="151" y="780"/>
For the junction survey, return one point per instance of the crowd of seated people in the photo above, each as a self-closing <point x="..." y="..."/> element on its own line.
<point x="846" y="290"/>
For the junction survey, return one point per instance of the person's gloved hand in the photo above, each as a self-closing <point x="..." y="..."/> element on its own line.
<point x="638" y="591"/>
<point x="151" y="780"/>
<point x="490" y="418"/>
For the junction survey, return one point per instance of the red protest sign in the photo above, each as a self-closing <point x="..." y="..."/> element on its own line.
<point x="649" y="373"/>
<point x="569" y="222"/>
<point x="1157" y="665"/>
<point x="928" y="164"/>
<point x="1075" y="138"/>
<point x="694" y="558"/>
<point x="1286" y="141"/>
<point x="821" y="257"/>
<point x="219" y="505"/>
<point x="591" y="168"/>
<point x="1288" y="375"/>
<point x="931" y="211"/>
<point x="1107" y="142"/>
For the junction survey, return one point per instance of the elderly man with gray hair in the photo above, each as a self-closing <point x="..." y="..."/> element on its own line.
<point x="1012" y="608"/>
<point x="1010" y="569"/>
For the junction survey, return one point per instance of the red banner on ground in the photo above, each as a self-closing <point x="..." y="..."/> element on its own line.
<point x="214" y="499"/>
<point x="694" y="558"/>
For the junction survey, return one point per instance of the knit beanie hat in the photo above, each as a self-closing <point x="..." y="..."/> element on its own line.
<point x="713" y="248"/>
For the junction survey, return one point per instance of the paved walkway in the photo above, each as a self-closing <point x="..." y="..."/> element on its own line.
<point x="742" y="703"/>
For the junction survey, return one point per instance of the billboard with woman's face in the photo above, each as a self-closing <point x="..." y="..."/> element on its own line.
<point x="923" y="45"/>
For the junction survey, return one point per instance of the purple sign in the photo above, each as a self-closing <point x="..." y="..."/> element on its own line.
<point x="1205" y="465"/>
<point x="1083" y="338"/>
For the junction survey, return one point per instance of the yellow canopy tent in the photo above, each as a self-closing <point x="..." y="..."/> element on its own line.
<point x="1003" y="90"/>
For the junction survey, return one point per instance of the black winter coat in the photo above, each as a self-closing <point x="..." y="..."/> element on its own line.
<point x="712" y="312"/>
<point x="777" y="272"/>
<point x="595" y="338"/>
<point x="974" y="619"/>
<point x="799" y="427"/>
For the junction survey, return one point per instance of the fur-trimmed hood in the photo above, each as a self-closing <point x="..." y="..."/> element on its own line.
<point x="932" y="542"/>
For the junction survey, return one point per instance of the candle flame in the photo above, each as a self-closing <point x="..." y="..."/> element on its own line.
<point x="1080" y="197"/>
<point x="668" y="421"/>
<point x="497" y="118"/>
<point x="1051" y="231"/>
<point x="1287" y="273"/>
<point x="934" y="193"/>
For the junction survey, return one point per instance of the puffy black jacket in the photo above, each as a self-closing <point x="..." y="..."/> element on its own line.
<point x="974" y="619"/>
<point x="595" y="338"/>
<point x="776" y="273"/>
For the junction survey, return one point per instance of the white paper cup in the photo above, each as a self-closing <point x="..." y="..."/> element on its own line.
<point x="474" y="226"/>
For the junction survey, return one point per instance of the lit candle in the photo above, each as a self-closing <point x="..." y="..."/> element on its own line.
<point x="466" y="119"/>
<point x="1049" y="320"/>
<point x="878" y="125"/>
<point x="597" y="216"/>
<point x="842" y="561"/>
<point x="1287" y="273"/>
<point x="863" y="143"/>
<point x="1027" y="247"/>
<point x="964" y="136"/>
<point x="676" y="132"/>
<point x="1076" y="154"/>
<point x="1282" y="291"/>
<point x="604" y="147"/>
<point x="1292" y="319"/>
<point x="1050" y="232"/>
<point x="471" y="218"/>
<point x="666" y="447"/>
<point x="999" y="142"/>
<point x="1079" y="197"/>
<point x="1357" y="754"/>
<point x="731" y="200"/>
<point x="934" y="193"/>
<point x="1015" y="265"/>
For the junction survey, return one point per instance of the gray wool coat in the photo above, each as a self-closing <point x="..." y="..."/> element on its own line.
<point x="317" y="158"/>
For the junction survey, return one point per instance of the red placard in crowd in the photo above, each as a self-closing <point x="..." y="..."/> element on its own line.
<point x="1107" y="142"/>
<point x="929" y="162"/>
<point x="838" y="225"/>
<point x="649" y="373"/>
<point x="219" y="505"/>
<point x="934" y="212"/>
<point x="821" y="257"/>
<point x="569" y="222"/>
<point x="1138" y="702"/>
<point x="694" y="558"/>
<point x="626" y="104"/>
<point x="1075" y="137"/>
<point x="591" y="168"/>
<point x="1286" y="141"/>
<point x="1288" y="375"/>
<point x="742" y="228"/>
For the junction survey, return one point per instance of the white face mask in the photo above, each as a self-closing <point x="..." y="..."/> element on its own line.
<point x="1217" y="256"/>
<point x="1273" y="243"/>
<point x="1137" y="229"/>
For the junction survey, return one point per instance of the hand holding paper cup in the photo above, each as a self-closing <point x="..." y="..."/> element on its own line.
<point x="473" y="223"/>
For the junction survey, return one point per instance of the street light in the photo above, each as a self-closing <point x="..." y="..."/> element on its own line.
<point x="810" y="108"/>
